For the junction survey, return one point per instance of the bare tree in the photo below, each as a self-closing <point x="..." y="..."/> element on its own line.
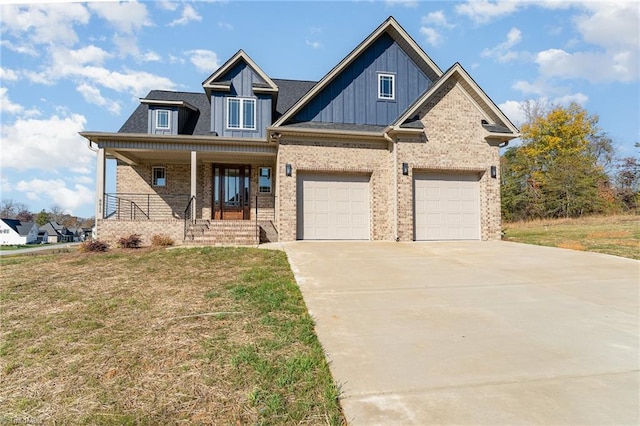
<point x="9" y="209"/>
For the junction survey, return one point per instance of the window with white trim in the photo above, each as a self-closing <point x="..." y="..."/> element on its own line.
<point x="386" y="86"/>
<point x="264" y="180"/>
<point x="241" y="113"/>
<point x="159" y="176"/>
<point x="162" y="119"/>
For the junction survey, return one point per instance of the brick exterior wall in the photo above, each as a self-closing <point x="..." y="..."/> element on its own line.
<point x="110" y="230"/>
<point x="339" y="157"/>
<point x="455" y="144"/>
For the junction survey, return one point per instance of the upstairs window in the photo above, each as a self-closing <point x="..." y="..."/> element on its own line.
<point x="159" y="176"/>
<point x="386" y="86"/>
<point x="241" y="113"/>
<point x="162" y="119"/>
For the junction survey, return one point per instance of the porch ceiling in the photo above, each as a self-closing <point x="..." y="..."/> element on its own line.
<point x="141" y="157"/>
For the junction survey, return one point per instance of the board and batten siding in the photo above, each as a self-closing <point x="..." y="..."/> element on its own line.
<point x="352" y="97"/>
<point x="242" y="79"/>
<point x="173" y="121"/>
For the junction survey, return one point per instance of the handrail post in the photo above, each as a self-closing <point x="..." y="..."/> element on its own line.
<point x="257" y="231"/>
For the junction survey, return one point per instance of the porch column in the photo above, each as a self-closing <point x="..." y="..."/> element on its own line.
<point x="100" y="173"/>
<point x="194" y="181"/>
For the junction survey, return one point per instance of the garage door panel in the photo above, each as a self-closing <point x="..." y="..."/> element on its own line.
<point x="446" y="207"/>
<point x="342" y="200"/>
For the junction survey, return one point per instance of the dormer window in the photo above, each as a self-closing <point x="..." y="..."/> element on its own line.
<point x="386" y="87"/>
<point x="241" y="113"/>
<point x="162" y="119"/>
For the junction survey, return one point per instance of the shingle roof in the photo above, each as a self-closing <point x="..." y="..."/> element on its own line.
<point x="198" y="124"/>
<point x="289" y="91"/>
<point x="337" y="126"/>
<point x="21" y="228"/>
<point x="494" y="128"/>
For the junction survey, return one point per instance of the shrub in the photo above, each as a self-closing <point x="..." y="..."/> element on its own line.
<point x="161" y="241"/>
<point x="93" y="246"/>
<point x="132" y="241"/>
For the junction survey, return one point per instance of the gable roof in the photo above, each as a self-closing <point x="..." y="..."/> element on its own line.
<point x="21" y="228"/>
<point x="215" y="82"/>
<point x="398" y="34"/>
<point x="501" y="126"/>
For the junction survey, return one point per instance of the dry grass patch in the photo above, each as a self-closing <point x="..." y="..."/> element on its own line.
<point x="193" y="336"/>
<point x="616" y="235"/>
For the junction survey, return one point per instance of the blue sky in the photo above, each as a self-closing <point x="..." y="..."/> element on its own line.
<point x="69" y="67"/>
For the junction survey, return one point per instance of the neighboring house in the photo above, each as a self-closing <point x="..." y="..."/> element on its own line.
<point x="386" y="146"/>
<point x="57" y="233"/>
<point x="15" y="232"/>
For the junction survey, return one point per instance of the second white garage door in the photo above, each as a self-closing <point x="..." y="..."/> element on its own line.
<point x="333" y="207"/>
<point x="446" y="206"/>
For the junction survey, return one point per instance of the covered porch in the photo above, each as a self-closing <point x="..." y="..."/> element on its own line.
<point x="206" y="190"/>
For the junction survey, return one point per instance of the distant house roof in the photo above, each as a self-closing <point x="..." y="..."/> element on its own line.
<point x="51" y="228"/>
<point x="21" y="228"/>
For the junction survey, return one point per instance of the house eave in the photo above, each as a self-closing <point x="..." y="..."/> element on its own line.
<point x="98" y="137"/>
<point x="277" y="132"/>
<point x="158" y="102"/>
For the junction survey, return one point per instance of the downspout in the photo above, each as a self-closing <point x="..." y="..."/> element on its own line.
<point x="503" y="144"/>
<point x="394" y="147"/>
<point x="91" y="147"/>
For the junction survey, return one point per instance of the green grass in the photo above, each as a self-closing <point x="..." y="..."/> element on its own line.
<point x="193" y="336"/>
<point x="16" y="247"/>
<point x="615" y="235"/>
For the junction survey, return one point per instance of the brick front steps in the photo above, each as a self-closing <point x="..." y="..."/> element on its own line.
<point x="222" y="233"/>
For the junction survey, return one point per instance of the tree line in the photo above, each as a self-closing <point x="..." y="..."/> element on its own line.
<point x="565" y="166"/>
<point x="10" y="209"/>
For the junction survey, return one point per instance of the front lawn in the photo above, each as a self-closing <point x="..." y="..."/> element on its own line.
<point x="185" y="336"/>
<point x="617" y="235"/>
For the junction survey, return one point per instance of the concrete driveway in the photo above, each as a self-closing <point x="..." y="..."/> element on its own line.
<point x="475" y="332"/>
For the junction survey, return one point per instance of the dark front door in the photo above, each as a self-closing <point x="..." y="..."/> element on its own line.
<point x="231" y="192"/>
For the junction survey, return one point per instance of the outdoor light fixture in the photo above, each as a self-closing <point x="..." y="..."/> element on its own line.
<point x="494" y="172"/>
<point x="405" y="169"/>
<point x="287" y="169"/>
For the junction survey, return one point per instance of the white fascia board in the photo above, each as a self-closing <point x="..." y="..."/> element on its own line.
<point x="159" y="102"/>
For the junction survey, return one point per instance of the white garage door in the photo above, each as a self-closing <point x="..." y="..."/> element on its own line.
<point x="447" y="207"/>
<point x="333" y="207"/>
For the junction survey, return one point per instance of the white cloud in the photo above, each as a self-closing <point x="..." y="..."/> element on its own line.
<point x="502" y="52"/>
<point x="151" y="56"/>
<point x="51" y="144"/>
<point x="69" y="199"/>
<point x="596" y="28"/>
<point x="313" y="44"/>
<point x="6" y="105"/>
<point x="595" y="67"/>
<point x="49" y="23"/>
<point x="432" y="36"/>
<point x="84" y="64"/>
<point x="23" y="49"/>
<point x="484" y="11"/>
<point x="225" y="26"/>
<point x="8" y="75"/>
<point x="92" y="95"/>
<point x="127" y="45"/>
<point x="189" y="14"/>
<point x="204" y="60"/>
<point x="404" y="3"/>
<point x="126" y="17"/>
<point x="513" y="110"/>
<point x="167" y="5"/>
<point x="579" y="98"/>
<point x="437" y="18"/>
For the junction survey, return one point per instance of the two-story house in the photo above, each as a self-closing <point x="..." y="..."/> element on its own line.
<point x="386" y="146"/>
